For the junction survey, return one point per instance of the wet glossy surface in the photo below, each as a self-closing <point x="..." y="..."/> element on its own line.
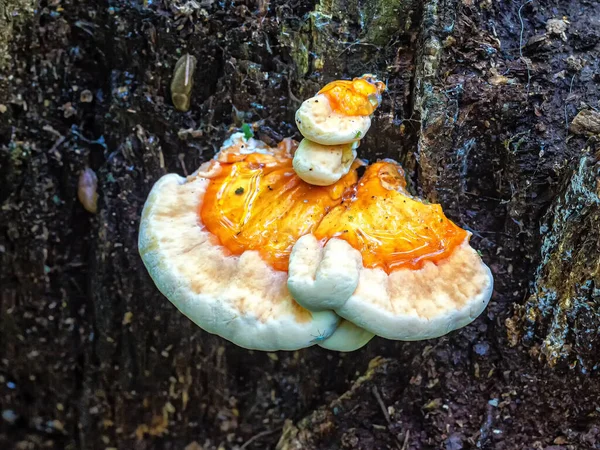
<point x="390" y="228"/>
<point x="359" y="97"/>
<point x="259" y="203"/>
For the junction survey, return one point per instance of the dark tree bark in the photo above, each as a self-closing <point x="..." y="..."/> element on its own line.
<point x="481" y="95"/>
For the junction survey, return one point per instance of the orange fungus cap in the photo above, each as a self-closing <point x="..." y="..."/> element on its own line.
<point x="259" y="203"/>
<point x="359" y="97"/>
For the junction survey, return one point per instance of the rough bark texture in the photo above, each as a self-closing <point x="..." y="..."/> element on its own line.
<point x="481" y="95"/>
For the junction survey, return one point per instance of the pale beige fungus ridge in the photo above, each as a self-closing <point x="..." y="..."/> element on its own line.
<point x="406" y="304"/>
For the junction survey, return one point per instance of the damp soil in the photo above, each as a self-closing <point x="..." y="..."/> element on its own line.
<point x="481" y="96"/>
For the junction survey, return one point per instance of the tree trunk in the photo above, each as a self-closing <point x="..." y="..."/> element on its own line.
<point x="481" y="95"/>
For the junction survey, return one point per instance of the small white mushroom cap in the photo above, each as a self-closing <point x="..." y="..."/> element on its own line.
<point x="323" y="165"/>
<point x="240" y="298"/>
<point x="321" y="278"/>
<point x="347" y="338"/>
<point x="318" y="122"/>
<point x="406" y="304"/>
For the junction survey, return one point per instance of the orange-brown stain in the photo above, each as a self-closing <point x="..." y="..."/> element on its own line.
<point x="259" y="203"/>
<point x="359" y="97"/>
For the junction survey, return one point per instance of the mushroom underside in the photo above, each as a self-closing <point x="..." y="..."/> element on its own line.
<point x="240" y="298"/>
<point x="406" y="304"/>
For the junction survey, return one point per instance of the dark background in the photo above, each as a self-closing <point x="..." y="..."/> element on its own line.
<point x="481" y="95"/>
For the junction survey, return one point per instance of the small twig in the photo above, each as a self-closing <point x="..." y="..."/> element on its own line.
<point x="57" y="144"/>
<point x="567" y="102"/>
<point x="382" y="405"/>
<point x="352" y="44"/>
<point x="50" y="129"/>
<point x="181" y="158"/>
<point x="521" y="44"/>
<point x="486" y="197"/>
<point x="386" y="414"/>
<point x="405" y="444"/>
<point x="258" y="436"/>
<point x="522" y="27"/>
<point x="60" y="138"/>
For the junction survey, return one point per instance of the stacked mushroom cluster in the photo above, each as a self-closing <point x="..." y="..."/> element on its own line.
<point x="280" y="248"/>
<point x="332" y="123"/>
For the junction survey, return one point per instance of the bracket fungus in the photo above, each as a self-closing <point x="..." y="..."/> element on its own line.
<point x="340" y="113"/>
<point x="250" y="250"/>
<point x="332" y="123"/>
<point x="323" y="165"/>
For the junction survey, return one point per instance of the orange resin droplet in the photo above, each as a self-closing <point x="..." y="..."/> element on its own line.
<point x="389" y="227"/>
<point x="259" y="203"/>
<point x="359" y="97"/>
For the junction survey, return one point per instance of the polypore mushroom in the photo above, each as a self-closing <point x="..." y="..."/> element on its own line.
<point x="215" y="245"/>
<point x="249" y="251"/>
<point x="333" y="122"/>
<point x="323" y="165"/>
<point x="278" y="254"/>
<point x="411" y="272"/>
<point x="340" y="113"/>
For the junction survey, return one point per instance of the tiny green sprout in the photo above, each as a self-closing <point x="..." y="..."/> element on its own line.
<point x="358" y="134"/>
<point x="350" y="217"/>
<point x="247" y="130"/>
<point x="479" y="252"/>
<point x="239" y="191"/>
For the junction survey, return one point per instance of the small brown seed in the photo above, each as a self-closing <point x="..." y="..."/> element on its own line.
<point x="183" y="81"/>
<point x="86" y="96"/>
<point x="87" y="190"/>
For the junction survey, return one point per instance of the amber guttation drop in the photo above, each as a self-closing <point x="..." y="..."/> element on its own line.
<point x="259" y="203"/>
<point x="359" y="97"/>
